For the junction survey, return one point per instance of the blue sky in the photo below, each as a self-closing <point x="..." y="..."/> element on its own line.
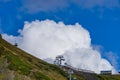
<point x="100" y="17"/>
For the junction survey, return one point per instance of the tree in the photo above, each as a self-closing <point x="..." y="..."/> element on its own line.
<point x="59" y="59"/>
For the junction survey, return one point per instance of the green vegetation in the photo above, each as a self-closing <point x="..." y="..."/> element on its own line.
<point x="41" y="76"/>
<point x="109" y="77"/>
<point x="18" y="64"/>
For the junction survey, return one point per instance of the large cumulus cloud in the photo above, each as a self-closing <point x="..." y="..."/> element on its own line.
<point x="47" y="39"/>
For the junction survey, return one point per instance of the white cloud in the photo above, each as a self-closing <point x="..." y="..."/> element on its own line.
<point x="47" y="39"/>
<point x="35" y="6"/>
<point x="87" y="59"/>
<point x="12" y="39"/>
<point x="113" y="58"/>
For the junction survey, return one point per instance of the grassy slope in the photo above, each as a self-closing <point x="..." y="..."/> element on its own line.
<point x="28" y="67"/>
<point x="109" y="77"/>
<point x="24" y="64"/>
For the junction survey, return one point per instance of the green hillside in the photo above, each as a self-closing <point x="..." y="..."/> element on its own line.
<point x="22" y="66"/>
<point x="16" y="64"/>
